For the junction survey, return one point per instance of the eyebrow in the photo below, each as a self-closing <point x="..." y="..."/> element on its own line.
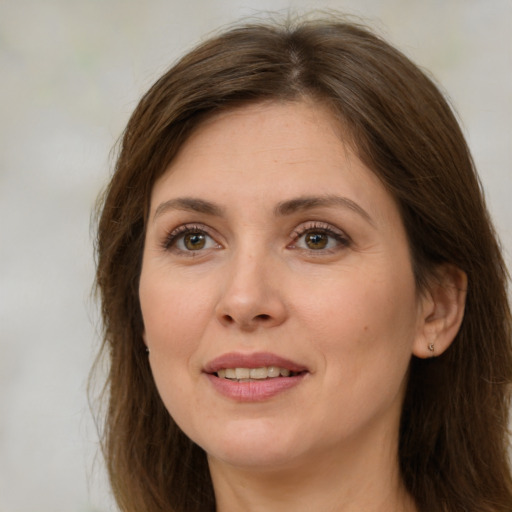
<point x="189" y="204"/>
<point x="284" y="208"/>
<point x="310" y="202"/>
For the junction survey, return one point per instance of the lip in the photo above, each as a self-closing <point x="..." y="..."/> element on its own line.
<point x="256" y="390"/>
<point x="256" y="360"/>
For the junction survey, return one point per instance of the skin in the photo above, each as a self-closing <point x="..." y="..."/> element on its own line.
<point x="350" y="312"/>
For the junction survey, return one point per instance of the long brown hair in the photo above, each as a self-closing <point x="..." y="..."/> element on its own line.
<point x="453" y="436"/>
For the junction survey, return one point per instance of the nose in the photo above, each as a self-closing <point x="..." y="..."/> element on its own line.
<point x="251" y="297"/>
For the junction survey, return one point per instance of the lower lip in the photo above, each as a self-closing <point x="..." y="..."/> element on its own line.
<point x="255" y="390"/>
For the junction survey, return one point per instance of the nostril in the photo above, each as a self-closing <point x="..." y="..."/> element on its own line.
<point x="228" y="319"/>
<point x="262" y="317"/>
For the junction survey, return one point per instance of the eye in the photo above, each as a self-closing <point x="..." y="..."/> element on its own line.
<point x="315" y="240"/>
<point x="193" y="241"/>
<point x="319" y="237"/>
<point x="190" y="239"/>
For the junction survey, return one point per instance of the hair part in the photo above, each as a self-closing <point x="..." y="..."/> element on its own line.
<point x="453" y="435"/>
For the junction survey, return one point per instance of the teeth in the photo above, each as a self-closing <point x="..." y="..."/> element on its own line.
<point x="273" y="371"/>
<point x="258" y="373"/>
<point x="248" y="374"/>
<point x="242" y="373"/>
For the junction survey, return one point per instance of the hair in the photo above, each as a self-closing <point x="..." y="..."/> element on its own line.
<point x="453" y="434"/>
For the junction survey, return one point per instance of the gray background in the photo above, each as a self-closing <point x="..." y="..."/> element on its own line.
<point x="71" y="73"/>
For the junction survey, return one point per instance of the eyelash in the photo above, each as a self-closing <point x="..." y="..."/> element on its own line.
<point x="173" y="238"/>
<point x="175" y="235"/>
<point x="322" y="228"/>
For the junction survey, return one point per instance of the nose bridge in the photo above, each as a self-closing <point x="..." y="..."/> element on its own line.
<point x="249" y="296"/>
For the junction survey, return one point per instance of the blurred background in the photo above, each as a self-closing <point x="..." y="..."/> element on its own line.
<point x="71" y="72"/>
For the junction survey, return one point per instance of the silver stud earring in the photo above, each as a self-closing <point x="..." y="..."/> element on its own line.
<point x="147" y="351"/>
<point x="431" y="349"/>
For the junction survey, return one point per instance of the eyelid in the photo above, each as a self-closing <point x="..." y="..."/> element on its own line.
<point x="340" y="236"/>
<point x="173" y="236"/>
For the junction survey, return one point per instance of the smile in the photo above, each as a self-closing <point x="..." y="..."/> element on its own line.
<point x="253" y="377"/>
<point x="249" y="374"/>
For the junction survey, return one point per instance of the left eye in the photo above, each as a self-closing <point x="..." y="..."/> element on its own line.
<point x="319" y="240"/>
<point x="316" y="241"/>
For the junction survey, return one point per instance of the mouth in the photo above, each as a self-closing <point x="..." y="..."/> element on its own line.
<point x="253" y="377"/>
<point x="255" y="374"/>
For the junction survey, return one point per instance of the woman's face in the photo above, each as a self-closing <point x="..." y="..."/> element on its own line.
<point x="277" y="292"/>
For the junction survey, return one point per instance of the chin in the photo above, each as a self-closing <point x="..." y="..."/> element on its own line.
<point x="253" y="446"/>
<point x="256" y="459"/>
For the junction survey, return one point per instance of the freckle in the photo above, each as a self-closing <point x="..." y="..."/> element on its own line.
<point x="365" y="327"/>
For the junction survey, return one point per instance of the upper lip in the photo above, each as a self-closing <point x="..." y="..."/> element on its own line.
<point x="256" y="360"/>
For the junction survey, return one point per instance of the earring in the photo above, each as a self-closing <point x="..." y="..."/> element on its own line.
<point x="431" y="349"/>
<point x="147" y="351"/>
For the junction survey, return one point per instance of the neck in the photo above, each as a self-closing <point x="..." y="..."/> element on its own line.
<point x="332" y="482"/>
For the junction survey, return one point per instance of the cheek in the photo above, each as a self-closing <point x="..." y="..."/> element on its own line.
<point x="176" y="314"/>
<point x="366" y="327"/>
<point x="172" y="323"/>
<point x="367" y="347"/>
<point x="363" y="302"/>
<point x="173" y="313"/>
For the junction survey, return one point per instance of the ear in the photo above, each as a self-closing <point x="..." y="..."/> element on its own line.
<point x="145" y="341"/>
<point x="441" y="311"/>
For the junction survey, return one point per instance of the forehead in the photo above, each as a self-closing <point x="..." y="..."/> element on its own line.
<point x="268" y="151"/>
<point x="269" y="126"/>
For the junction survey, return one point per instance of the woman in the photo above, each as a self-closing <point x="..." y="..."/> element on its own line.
<point x="304" y="302"/>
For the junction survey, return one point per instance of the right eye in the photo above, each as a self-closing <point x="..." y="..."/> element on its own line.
<point x="190" y="239"/>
